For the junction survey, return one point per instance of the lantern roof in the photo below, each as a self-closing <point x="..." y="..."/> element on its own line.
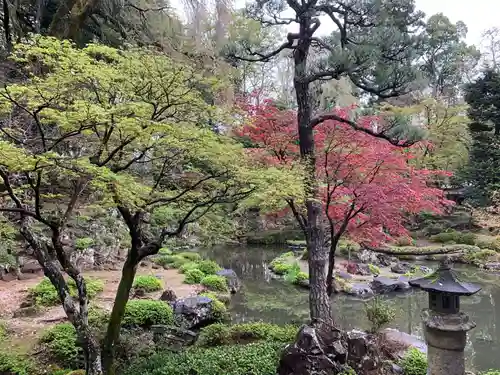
<point x="445" y="280"/>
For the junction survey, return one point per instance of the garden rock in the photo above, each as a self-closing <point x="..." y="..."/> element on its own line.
<point x="402" y="267"/>
<point x="193" y="312"/>
<point x="394" y="338"/>
<point x="384" y="285"/>
<point x="318" y="351"/>
<point x="232" y="279"/>
<point x="173" y="338"/>
<point x="359" y="290"/>
<point x="31" y="267"/>
<point x="343" y="275"/>
<point x="384" y="260"/>
<point x="358" y="269"/>
<point x="168" y="296"/>
<point x="367" y="257"/>
<point x="492" y="266"/>
<point x="363" y="355"/>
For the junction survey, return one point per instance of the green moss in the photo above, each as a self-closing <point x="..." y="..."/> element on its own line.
<point x="84" y="243"/>
<point x="45" y="294"/>
<point x="147" y="283"/>
<point x="194" y="276"/>
<point x="222" y="334"/>
<point x="144" y="313"/>
<point x="259" y="358"/>
<point x="165" y="251"/>
<point x="215" y="283"/>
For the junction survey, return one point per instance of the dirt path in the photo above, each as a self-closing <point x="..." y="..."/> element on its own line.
<point x="14" y="292"/>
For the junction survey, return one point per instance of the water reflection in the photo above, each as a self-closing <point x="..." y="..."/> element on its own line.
<point x="263" y="298"/>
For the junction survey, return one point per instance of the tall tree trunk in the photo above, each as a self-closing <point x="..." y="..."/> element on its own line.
<point x="331" y="266"/>
<point x="319" y="302"/>
<point x="122" y="295"/>
<point x="6" y="26"/>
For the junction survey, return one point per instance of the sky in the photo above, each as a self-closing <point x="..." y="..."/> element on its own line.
<point x="478" y="15"/>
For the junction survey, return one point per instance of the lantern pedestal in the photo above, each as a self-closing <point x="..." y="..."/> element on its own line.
<point x="446" y="335"/>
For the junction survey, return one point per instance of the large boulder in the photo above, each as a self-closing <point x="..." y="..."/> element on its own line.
<point x="232" y="280"/>
<point x="402" y="267"/>
<point x="363" y="354"/>
<point x="384" y="285"/>
<point x="316" y="350"/>
<point x="168" y="295"/>
<point x="193" y="312"/>
<point x="172" y="338"/>
<point x="396" y="343"/>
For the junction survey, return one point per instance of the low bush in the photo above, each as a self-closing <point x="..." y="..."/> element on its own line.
<point x="194" y="276"/>
<point x="347" y="247"/>
<point x="294" y="275"/>
<point x="221" y="334"/>
<point x="190" y="255"/>
<point x="375" y="270"/>
<point x="170" y="261"/>
<point x="414" y="362"/>
<point x="215" y="283"/>
<point x="219" y="309"/>
<point x="98" y="317"/>
<point x="45" y="294"/>
<point x="188" y="266"/>
<point x="145" y="313"/>
<point x="84" y="243"/>
<point x="281" y="268"/>
<point x="491" y="372"/>
<point x="147" y="283"/>
<point x="260" y="358"/>
<point x="14" y="364"/>
<point x="208" y="267"/>
<point x="165" y="251"/>
<point x="379" y="313"/>
<point x="466" y="238"/>
<point x="3" y="330"/>
<point x="60" y="344"/>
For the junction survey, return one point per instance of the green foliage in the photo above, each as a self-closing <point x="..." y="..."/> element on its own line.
<point x="144" y="313"/>
<point x="188" y="266"/>
<point x="98" y="317"/>
<point x="379" y="312"/>
<point x="281" y="268"/>
<point x="297" y="243"/>
<point x="208" y="267"/>
<point x="219" y="309"/>
<point x="347" y="247"/>
<point x="221" y="334"/>
<point x="260" y="358"/>
<point x="294" y="275"/>
<point x="165" y="251"/>
<point x="147" y="283"/>
<point x="375" y="270"/>
<point x="348" y="370"/>
<point x="491" y="372"/>
<point x="271" y="237"/>
<point x="15" y="364"/>
<point x="84" y="243"/>
<point x="194" y="276"/>
<point x="45" y="294"/>
<point x="60" y="342"/>
<point x="190" y="256"/>
<point x="456" y="237"/>
<point x="215" y="283"/>
<point x="414" y="362"/>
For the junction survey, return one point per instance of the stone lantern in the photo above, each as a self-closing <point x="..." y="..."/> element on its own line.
<point x="445" y="327"/>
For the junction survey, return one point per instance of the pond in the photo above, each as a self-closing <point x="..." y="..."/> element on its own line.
<point x="263" y="298"/>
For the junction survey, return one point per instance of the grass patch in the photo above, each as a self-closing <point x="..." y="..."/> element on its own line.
<point x="45" y="294"/>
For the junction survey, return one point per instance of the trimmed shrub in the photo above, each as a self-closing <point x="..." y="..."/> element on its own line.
<point x="259" y="358"/>
<point x="84" y="243"/>
<point x="194" y="276"/>
<point x="165" y="251"/>
<point x="188" y="266"/>
<point x="281" y="268"/>
<point x="414" y="362"/>
<point x="379" y="312"/>
<point x="147" y="283"/>
<point x="98" y="317"/>
<point x="215" y="283"/>
<point x="190" y="255"/>
<point x="221" y="334"/>
<point x="208" y="267"/>
<point x="219" y="309"/>
<point x="60" y="342"/>
<point x="170" y="261"/>
<point x="45" y="294"/>
<point x="14" y="364"/>
<point x="145" y="313"/>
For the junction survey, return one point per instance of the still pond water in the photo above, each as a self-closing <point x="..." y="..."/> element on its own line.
<point x="263" y="298"/>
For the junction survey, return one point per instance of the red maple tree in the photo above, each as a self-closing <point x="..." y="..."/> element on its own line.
<point x="369" y="188"/>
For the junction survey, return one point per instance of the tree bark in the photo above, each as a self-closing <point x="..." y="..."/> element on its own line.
<point x="6" y="26"/>
<point x="319" y="302"/>
<point x="122" y="295"/>
<point x="331" y="266"/>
